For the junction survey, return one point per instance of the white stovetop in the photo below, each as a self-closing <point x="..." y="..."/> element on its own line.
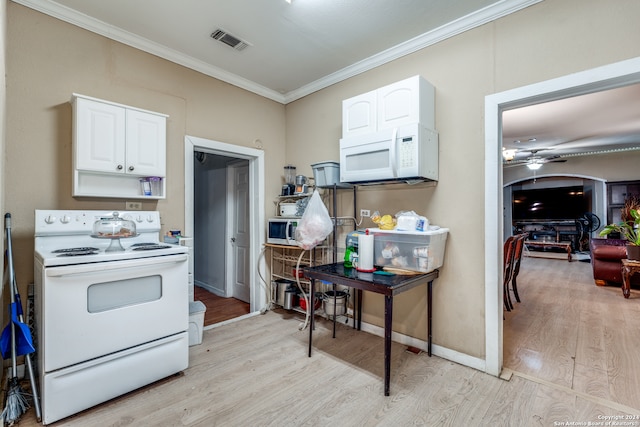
<point x="57" y="229"/>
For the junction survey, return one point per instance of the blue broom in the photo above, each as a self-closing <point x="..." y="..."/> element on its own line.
<point x="16" y="340"/>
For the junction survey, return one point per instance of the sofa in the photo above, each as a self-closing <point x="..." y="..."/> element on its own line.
<point x="606" y="256"/>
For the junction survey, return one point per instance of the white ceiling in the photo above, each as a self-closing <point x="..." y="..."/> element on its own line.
<point x="296" y="49"/>
<point x="599" y="122"/>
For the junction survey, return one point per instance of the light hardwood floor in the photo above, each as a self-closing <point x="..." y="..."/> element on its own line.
<point x="255" y="372"/>
<point x="574" y="334"/>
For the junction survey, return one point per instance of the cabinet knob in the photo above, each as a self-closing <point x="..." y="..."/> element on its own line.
<point x="119" y="167"/>
<point x="131" y="168"/>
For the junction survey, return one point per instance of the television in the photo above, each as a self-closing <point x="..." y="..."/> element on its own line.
<point x="549" y="204"/>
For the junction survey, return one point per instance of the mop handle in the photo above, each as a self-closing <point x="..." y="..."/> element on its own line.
<point x="12" y="275"/>
<point x="15" y="298"/>
<point x="7" y="226"/>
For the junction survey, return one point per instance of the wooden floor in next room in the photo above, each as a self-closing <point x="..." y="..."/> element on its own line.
<point x="571" y="333"/>
<point x="219" y="308"/>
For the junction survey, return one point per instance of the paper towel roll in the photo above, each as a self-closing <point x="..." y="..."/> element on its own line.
<point x="365" y="252"/>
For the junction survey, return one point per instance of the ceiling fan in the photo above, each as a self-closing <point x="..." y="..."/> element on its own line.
<point x="533" y="161"/>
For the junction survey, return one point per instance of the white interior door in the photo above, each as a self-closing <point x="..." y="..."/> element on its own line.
<point x="238" y="231"/>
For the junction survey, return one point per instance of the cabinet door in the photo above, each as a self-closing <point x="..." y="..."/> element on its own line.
<point x="617" y="193"/>
<point x="99" y="136"/>
<point x="146" y="144"/>
<point x="359" y="114"/>
<point x="406" y="102"/>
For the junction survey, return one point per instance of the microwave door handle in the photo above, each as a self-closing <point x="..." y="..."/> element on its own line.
<point x="286" y="233"/>
<point x="393" y="153"/>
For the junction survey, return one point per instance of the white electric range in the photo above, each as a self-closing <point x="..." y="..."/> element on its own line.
<point x="112" y="314"/>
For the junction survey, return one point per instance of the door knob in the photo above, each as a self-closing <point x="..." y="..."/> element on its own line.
<point x="233" y="240"/>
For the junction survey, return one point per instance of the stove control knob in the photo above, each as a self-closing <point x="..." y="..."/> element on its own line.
<point x="150" y="218"/>
<point x="66" y="219"/>
<point x="139" y="218"/>
<point x="50" y="219"/>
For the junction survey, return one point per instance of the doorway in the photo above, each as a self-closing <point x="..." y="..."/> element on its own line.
<point x="223" y="182"/>
<point x="607" y="77"/>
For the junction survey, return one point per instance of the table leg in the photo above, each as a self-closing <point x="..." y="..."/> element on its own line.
<point x="359" y="309"/>
<point x="311" y="320"/>
<point x="429" y="305"/>
<point x="388" y="316"/>
<point x="355" y="304"/>
<point x="335" y="304"/>
<point x="626" y="281"/>
<point x="569" y="252"/>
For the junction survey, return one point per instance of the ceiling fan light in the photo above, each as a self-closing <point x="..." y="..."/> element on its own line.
<point x="508" y="155"/>
<point x="534" y="166"/>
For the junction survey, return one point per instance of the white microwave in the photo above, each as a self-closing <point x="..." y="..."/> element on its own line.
<point x="405" y="153"/>
<point x="282" y="231"/>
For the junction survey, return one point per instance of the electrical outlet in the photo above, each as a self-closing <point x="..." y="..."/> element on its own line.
<point x="133" y="206"/>
<point x="365" y="213"/>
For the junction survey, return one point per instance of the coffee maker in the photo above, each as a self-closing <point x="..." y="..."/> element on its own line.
<point x="301" y="184"/>
<point x="289" y="188"/>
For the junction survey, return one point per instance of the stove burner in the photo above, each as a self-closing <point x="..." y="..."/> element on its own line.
<point x="148" y="247"/>
<point x="76" y="251"/>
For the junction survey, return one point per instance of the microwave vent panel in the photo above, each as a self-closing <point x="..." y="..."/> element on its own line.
<point x="228" y="39"/>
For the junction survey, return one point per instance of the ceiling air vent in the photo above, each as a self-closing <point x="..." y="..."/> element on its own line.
<point x="229" y="40"/>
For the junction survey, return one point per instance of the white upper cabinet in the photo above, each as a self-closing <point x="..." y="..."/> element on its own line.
<point x="359" y="114"/>
<point x="146" y="152"/>
<point x="114" y="146"/>
<point x="99" y="136"/>
<point x="406" y="102"/>
<point x="402" y="103"/>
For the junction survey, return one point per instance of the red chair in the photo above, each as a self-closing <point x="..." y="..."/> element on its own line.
<point x="509" y="252"/>
<point x="517" y="257"/>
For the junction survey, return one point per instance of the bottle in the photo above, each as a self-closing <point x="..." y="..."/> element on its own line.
<point x="348" y="256"/>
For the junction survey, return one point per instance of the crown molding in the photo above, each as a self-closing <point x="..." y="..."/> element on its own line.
<point x="88" y="23"/>
<point x="468" y="22"/>
<point x="473" y="20"/>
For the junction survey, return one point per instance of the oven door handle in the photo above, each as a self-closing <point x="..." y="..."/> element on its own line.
<point x="114" y="265"/>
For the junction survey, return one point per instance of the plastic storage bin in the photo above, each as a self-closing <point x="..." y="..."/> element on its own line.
<point x="409" y="250"/>
<point x="327" y="174"/>
<point x="196" y="322"/>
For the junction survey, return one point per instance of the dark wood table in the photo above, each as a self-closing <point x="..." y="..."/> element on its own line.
<point x="559" y="245"/>
<point x="387" y="285"/>
<point x="629" y="268"/>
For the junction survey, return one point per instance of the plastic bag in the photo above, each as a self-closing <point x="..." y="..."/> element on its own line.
<point x="315" y="224"/>
<point x="411" y="221"/>
<point x="385" y="222"/>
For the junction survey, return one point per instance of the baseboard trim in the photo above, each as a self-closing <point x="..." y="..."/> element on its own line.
<point x="209" y="288"/>
<point x="436" y="350"/>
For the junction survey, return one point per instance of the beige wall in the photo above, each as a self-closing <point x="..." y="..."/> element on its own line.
<point x="48" y="60"/>
<point x="3" y="93"/>
<point x="551" y="39"/>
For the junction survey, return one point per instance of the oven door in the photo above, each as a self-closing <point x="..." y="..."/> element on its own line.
<point x="91" y="310"/>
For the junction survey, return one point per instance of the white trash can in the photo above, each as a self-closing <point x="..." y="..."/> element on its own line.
<point x="196" y="322"/>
